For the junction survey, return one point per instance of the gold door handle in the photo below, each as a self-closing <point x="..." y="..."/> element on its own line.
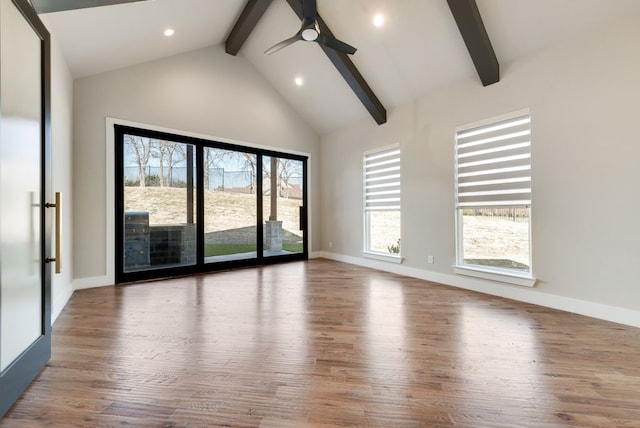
<point x="58" y="257"/>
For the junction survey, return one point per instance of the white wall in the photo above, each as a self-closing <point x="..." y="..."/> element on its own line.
<point x="61" y="158"/>
<point x="584" y="98"/>
<point x="205" y="92"/>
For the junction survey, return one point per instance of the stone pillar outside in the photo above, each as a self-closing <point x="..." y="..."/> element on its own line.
<point x="188" y="244"/>
<point x="273" y="234"/>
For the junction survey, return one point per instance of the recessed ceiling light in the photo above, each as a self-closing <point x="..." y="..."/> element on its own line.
<point x="299" y="81"/>
<point x="378" y="20"/>
<point x="169" y="32"/>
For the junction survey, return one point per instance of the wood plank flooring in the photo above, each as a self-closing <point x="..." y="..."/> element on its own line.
<point x="322" y="343"/>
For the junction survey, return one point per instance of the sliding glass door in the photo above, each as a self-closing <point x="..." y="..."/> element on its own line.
<point x="230" y="205"/>
<point x="282" y="206"/>
<point x="186" y="205"/>
<point x="158" y="193"/>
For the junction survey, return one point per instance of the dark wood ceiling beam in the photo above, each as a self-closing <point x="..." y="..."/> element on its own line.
<point x="358" y="85"/>
<point x="245" y="24"/>
<point x="475" y="36"/>
<point x="348" y="71"/>
<point x="49" y="6"/>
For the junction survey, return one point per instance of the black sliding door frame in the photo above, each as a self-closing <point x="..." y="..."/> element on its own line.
<point x="260" y="208"/>
<point x="201" y="265"/>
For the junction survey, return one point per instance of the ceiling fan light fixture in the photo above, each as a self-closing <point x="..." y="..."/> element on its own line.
<point x="309" y="34"/>
<point x="378" y="20"/>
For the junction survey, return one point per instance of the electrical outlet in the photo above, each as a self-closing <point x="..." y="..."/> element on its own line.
<point x="430" y="260"/>
<point x="330" y="244"/>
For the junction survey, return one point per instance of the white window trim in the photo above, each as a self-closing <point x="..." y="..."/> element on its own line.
<point x="383" y="257"/>
<point x="494" y="274"/>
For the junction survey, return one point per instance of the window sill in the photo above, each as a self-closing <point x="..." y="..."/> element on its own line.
<point x="524" y="280"/>
<point x="382" y="256"/>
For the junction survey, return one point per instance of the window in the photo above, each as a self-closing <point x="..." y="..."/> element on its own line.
<point x="493" y="195"/>
<point x="381" y="170"/>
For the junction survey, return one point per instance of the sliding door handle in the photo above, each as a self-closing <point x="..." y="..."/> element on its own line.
<point x="302" y="216"/>
<point x="58" y="257"/>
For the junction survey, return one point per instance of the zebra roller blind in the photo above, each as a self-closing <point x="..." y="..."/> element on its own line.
<point x="382" y="180"/>
<point x="493" y="163"/>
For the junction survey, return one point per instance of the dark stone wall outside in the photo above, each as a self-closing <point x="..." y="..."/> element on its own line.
<point x="146" y="246"/>
<point x="173" y="244"/>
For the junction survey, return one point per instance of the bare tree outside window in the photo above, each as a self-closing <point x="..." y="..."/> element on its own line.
<point x="142" y="149"/>
<point x="246" y="162"/>
<point x="160" y="153"/>
<point x="288" y="171"/>
<point x="176" y="153"/>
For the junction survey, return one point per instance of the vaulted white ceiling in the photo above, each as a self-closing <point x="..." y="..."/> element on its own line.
<point x="417" y="50"/>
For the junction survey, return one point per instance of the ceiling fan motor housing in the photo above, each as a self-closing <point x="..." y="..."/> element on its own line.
<point x="310" y="31"/>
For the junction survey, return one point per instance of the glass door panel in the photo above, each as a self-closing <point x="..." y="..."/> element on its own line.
<point x="230" y="205"/>
<point x="20" y="176"/>
<point x="282" y="206"/>
<point x="159" y="205"/>
<point x="25" y="220"/>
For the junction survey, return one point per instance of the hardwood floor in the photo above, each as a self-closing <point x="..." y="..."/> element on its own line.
<point x="322" y="343"/>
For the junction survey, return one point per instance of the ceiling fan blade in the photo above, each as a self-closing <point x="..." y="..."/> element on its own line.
<point x="310" y="10"/>
<point x="48" y="6"/>
<point x="335" y="44"/>
<point x="283" y="44"/>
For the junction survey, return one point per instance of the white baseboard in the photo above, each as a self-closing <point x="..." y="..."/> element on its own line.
<point x="59" y="303"/>
<point x="92" y="282"/>
<point x="567" y="304"/>
<point x="316" y="254"/>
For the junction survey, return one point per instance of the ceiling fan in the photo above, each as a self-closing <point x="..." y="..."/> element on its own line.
<point x="310" y="32"/>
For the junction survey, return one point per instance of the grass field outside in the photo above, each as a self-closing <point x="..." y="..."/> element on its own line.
<point x="230" y="218"/>
<point x="496" y="241"/>
<point x="223" y="249"/>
